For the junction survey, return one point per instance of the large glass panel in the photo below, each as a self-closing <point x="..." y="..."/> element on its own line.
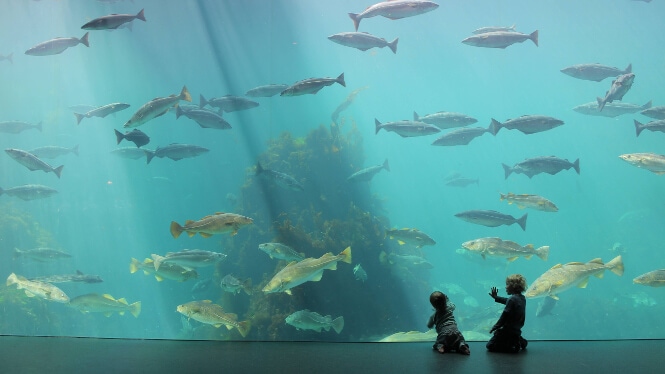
<point x="353" y="179"/>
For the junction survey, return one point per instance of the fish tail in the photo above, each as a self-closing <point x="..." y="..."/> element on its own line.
<point x="638" y="127"/>
<point x="157" y="261"/>
<point x="135" y="308"/>
<point x="346" y="255"/>
<point x="340" y="80"/>
<point x="38" y="126"/>
<point x="243" y="327"/>
<point x="507" y="170"/>
<point x="601" y="104"/>
<point x="184" y="94"/>
<point x="134" y="266"/>
<point x="386" y="165"/>
<point x="522" y="221"/>
<point x="57" y="171"/>
<point x="176" y="229"/>
<point x="543" y="252"/>
<point x="178" y="112"/>
<point x="338" y="324"/>
<point x="616" y="265"/>
<point x="259" y="168"/>
<point x="393" y="45"/>
<point x="9" y="57"/>
<point x="141" y="16"/>
<point x="502" y="197"/>
<point x="576" y="166"/>
<point x="79" y="117"/>
<point x="202" y="101"/>
<point x="495" y="126"/>
<point x="377" y="125"/>
<point x="84" y="40"/>
<point x="12" y="279"/>
<point x="416" y="117"/>
<point x="75" y="150"/>
<point x="647" y="105"/>
<point x="356" y="20"/>
<point x="149" y="155"/>
<point x="247" y="286"/>
<point x="534" y="37"/>
<point x="118" y="136"/>
<point x="629" y="69"/>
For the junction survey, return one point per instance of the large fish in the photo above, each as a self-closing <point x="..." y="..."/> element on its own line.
<point x="106" y="304"/>
<point x="281" y="252"/>
<point x="175" y="152"/>
<point x="112" y="21"/>
<point x="167" y="270"/>
<point x="228" y="103"/>
<point x="267" y="90"/>
<point x="188" y="258"/>
<point x="68" y="278"/>
<point x="31" y="161"/>
<point x="306" y="320"/>
<point x="234" y="285"/>
<point x="135" y="136"/>
<point x="491" y="218"/>
<point x="528" y="124"/>
<point x="157" y="107"/>
<point x="573" y="274"/>
<point x="546" y="164"/>
<point x="395" y="9"/>
<point x="595" y="72"/>
<point x="366" y="175"/>
<point x="56" y="46"/>
<point x="462" y="136"/>
<point x="610" y="109"/>
<point x="655" y="278"/>
<point x="651" y="126"/>
<point x="218" y="223"/>
<point x="655" y="163"/>
<point x="101" y="111"/>
<point x="311" y="86"/>
<point x="41" y="254"/>
<point x="529" y="201"/>
<point x="445" y="120"/>
<point x="42" y="290"/>
<point x="15" y="127"/>
<point x="212" y="314"/>
<point x="657" y="112"/>
<point x="130" y="152"/>
<point x="619" y="87"/>
<point x="29" y="192"/>
<point x="205" y="118"/>
<point x="362" y="41"/>
<point x="413" y="237"/>
<point x="496" y="247"/>
<point x="406" y="129"/>
<point x="309" y="269"/>
<point x="500" y="39"/>
<point x="52" y="151"/>
<point x="281" y="179"/>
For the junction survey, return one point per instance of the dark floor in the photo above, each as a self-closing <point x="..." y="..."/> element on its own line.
<point x="88" y="355"/>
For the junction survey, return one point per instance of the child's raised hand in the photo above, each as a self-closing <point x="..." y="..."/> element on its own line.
<point x="494" y="293"/>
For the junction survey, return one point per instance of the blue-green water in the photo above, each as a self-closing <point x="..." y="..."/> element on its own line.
<point x="109" y="209"/>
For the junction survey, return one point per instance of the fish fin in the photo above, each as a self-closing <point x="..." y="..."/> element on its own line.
<point x="243" y="327"/>
<point x="108" y="314"/>
<point x="483" y="256"/>
<point x="122" y="312"/>
<point x="288" y="292"/>
<point x="599" y="275"/>
<point x="338" y="324"/>
<point x="159" y="278"/>
<point x="317" y="277"/>
<point x="511" y="259"/>
<point x="205" y="234"/>
<point x="145" y="272"/>
<point x="596" y="261"/>
<point x="218" y="325"/>
<point x="176" y="229"/>
<point x="347" y="255"/>
<point x="135" y="309"/>
<point x="543" y="252"/>
<point x="157" y="261"/>
<point x="583" y="283"/>
<point x="133" y="266"/>
<point x="107" y="296"/>
<point x="528" y="257"/>
<point x="29" y="294"/>
<point x="555" y="297"/>
<point x="401" y="242"/>
<point x="190" y="233"/>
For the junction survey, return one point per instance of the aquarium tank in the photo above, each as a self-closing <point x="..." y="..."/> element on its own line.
<point x="307" y="170"/>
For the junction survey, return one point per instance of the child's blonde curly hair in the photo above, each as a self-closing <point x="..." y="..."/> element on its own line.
<point x="515" y="284"/>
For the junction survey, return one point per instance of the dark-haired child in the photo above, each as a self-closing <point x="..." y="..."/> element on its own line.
<point x="448" y="338"/>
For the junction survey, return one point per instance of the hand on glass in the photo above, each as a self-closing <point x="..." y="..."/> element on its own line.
<point x="494" y="293"/>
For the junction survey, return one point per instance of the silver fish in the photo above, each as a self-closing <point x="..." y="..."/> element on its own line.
<point x="8" y="58"/>
<point x="406" y="129"/>
<point x="29" y="192"/>
<point x="15" y="127"/>
<point x="157" y="107"/>
<point x="311" y="86"/>
<point x="175" y="151"/>
<point x="657" y="112"/>
<point x="547" y="164"/>
<point x="445" y="120"/>
<point x="54" y="151"/>
<point x="651" y="126"/>
<point x="130" y="152"/>
<point x="619" y="87"/>
<point x="362" y="41"/>
<point x="41" y="254"/>
<point x="655" y="163"/>
<point x="491" y="218"/>
<point x="500" y="39"/>
<point x="189" y="258"/>
<point x="462" y="182"/>
<point x="267" y="90"/>
<point x="204" y="118"/>
<point x="528" y="124"/>
<point x="394" y="9"/>
<point x="66" y="278"/>
<point x="233" y="285"/>
<point x="487" y="29"/>
<point x="112" y="21"/>
<point x="31" y="161"/>
<point x="306" y="320"/>
<point x="101" y="111"/>
<point x="281" y="252"/>
<point x="42" y="290"/>
<point x="366" y="175"/>
<point x="462" y="136"/>
<point x="56" y="46"/>
<point x="228" y="103"/>
<point x="595" y="72"/>
<point x="611" y="109"/>
<point x="281" y="179"/>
